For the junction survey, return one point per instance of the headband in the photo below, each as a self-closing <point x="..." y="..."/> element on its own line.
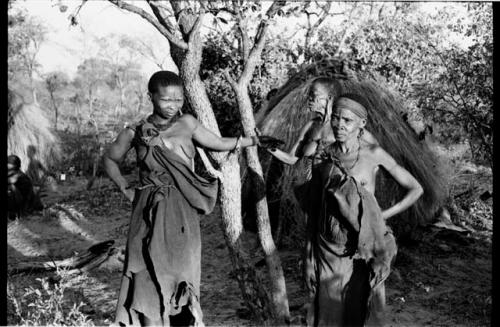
<point x="353" y="106"/>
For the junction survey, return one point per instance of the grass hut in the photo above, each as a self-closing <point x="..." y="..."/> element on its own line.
<point x="286" y="114"/>
<point x="30" y="138"/>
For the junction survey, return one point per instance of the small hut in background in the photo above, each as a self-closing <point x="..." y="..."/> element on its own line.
<point x="287" y="113"/>
<point x="30" y="137"/>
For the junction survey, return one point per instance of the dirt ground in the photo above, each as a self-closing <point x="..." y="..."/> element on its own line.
<point x="443" y="280"/>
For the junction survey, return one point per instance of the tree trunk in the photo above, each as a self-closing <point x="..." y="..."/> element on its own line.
<point x="254" y="295"/>
<point x="253" y="292"/>
<point x="121" y="87"/>
<point x="55" y="109"/>
<point x="79" y="118"/>
<point x="91" y="102"/>
<point x="276" y="275"/>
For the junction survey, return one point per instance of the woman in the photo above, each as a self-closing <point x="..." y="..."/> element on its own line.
<point x="161" y="277"/>
<point x="349" y="248"/>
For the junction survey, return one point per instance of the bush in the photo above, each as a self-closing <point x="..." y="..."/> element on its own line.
<point x="46" y="305"/>
<point x="81" y="152"/>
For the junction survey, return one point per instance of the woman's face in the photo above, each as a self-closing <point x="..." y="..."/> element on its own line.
<point x="319" y="98"/>
<point x="167" y="101"/>
<point x="346" y="125"/>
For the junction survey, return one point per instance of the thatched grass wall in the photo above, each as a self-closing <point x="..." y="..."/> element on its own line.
<point x="30" y="137"/>
<point x="287" y="112"/>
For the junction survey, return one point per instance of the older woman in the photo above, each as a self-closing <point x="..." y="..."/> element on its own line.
<point x="349" y="247"/>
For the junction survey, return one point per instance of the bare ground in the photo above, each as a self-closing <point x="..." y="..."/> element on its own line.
<point x="444" y="280"/>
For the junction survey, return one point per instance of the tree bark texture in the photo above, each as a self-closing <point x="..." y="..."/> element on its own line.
<point x="275" y="270"/>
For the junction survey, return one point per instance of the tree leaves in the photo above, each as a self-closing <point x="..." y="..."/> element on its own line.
<point x="26" y="34"/>
<point x="418" y="54"/>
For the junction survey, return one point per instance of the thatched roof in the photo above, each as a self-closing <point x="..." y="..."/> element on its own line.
<point x="29" y="135"/>
<point x="287" y="112"/>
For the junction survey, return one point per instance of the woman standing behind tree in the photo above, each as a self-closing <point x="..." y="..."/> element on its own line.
<point x="349" y="248"/>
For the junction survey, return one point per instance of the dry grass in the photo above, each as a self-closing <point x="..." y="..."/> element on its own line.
<point x="29" y="135"/>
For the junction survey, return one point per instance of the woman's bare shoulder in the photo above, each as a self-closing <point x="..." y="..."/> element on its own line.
<point x="189" y="121"/>
<point x="380" y="156"/>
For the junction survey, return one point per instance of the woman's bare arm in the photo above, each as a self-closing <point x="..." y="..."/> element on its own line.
<point x="404" y="178"/>
<point x="283" y="156"/>
<point x="211" y="141"/>
<point x="297" y="151"/>
<point x="112" y="158"/>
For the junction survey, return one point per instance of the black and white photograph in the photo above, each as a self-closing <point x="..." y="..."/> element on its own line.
<point x="249" y="163"/>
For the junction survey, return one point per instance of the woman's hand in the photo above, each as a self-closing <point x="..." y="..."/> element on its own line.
<point x="269" y="142"/>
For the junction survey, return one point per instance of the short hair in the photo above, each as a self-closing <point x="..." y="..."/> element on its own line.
<point x="334" y="85"/>
<point x="14" y="160"/>
<point x="163" y="78"/>
<point x="355" y="97"/>
<point x="323" y="79"/>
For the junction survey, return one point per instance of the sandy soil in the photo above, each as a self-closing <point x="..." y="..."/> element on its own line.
<point x="444" y="280"/>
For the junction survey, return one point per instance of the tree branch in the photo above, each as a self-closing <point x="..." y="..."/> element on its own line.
<point x="187" y="19"/>
<point x="457" y="89"/>
<point x="344" y="35"/>
<point x="230" y="79"/>
<point x="322" y="17"/>
<point x="73" y="16"/>
<point x="136" y="10"/>
<point x="149" y="54"/>
<point x="260" y="40"/>
<point x="245" y="39"/>
<point x="157" y="11"/>
<point x="197" y="24"/>
<point x="277" y="5"/>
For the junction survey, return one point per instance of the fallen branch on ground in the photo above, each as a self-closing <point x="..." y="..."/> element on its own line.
<point x="92" y="258"/>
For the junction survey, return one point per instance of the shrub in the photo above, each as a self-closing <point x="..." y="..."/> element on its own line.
<point x="46" y="304"/>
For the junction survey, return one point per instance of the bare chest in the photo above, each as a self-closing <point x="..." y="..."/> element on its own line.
<point x="363" y="169"/>
<point x="176" y="139"/>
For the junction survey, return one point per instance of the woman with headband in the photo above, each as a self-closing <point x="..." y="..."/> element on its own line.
<point x="349" y="248"/>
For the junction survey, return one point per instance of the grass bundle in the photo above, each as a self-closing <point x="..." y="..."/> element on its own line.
<point x="30" y="137"/>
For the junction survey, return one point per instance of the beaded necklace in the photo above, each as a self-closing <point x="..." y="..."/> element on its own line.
<point x="160" y="127"/>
